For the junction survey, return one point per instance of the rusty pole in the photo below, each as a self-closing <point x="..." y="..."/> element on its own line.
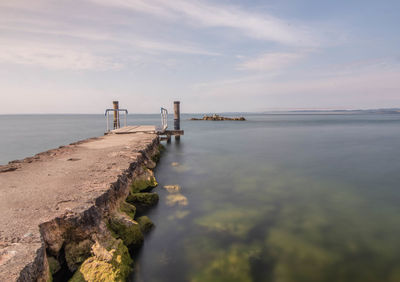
<point x="177" y="118"/>
<point x="116" y="114"/>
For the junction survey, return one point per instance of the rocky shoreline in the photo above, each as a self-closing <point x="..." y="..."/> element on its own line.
<point x="99" y="249"/>
<point x="94" y="225"/>
<point x="216" y="117"/>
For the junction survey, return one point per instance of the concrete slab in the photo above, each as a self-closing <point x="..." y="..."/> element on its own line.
<point x="135" y="129"/>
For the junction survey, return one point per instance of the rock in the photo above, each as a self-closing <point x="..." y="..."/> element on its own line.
<point x="143" y="181"/>
<point x="54" y="265"/>
<point x="128" y="209"/>
<point x="157" y="155"/>
<point x="172" y="188"/>
<point x="149" y="163"/>
<point x="108" y="263"/>
<point x="218" y="117"/>
<point x="145" y="224"/>
<point x="126" y="229"/>
<point x="177" y="199"/>
<point x="143" y="200"/>
<point x="76" y="253"/>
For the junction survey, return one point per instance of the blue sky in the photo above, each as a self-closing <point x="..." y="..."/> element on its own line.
<point x="213" y="56"/>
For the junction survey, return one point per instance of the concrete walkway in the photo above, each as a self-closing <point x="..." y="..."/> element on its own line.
<point x="54" y="183"/>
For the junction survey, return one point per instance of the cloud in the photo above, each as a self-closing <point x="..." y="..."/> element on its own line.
<point x="170" y="47"/>
<point x="270" y="61"/>
<point x="53" y="57"/>
<point x="264" y="27"/>
<point x="144" y="44"/>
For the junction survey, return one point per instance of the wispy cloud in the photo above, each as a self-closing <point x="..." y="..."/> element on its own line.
<point x="54" y="57"/>
<point x="270" y="61"/>
<point x="89" y="35"/>
<point x="260" y="26"/>
<point x="160" y="46"/>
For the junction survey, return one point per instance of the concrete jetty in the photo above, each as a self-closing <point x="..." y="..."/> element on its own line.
<point x="74" y="183"/>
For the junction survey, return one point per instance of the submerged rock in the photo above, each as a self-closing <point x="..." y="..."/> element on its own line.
<point x="145" y="224"/>
<point x="177" y="199"/>
<point x="110" y="261"/>
<point x="172" y="188"/>
<point x="226" y="264"/>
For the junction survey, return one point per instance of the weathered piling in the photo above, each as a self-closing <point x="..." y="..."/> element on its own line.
<point x="177" y="118"/>
<point x="116" y="114"/>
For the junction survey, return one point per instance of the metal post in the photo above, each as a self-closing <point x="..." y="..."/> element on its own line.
<point x="177" y="118"/>
<point x="107" y="115"/>
<point x="116" y="114"/>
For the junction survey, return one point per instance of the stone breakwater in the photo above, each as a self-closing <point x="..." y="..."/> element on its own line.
<point x="218" y="118"/>
<point x="77" y="210"/>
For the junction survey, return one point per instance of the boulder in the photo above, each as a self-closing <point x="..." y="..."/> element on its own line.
<point x="128" y="209"/>
<point x="143" y="181"/>
<point x="110" y="261"/>
<point x="145" y="224"/>
<point x="142" y="200"/>
<point x="127" y="230"/>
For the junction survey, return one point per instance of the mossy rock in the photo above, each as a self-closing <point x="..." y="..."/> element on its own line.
<point x="143" y="181"/>
<point x="76" y="253"/>
<point x="161" y="148"/>
<point x="107" y="264"/>
<point x="143" y="201"/>
<point x="156" y="157"/>
<point x="128" y="209"/>
<point x="54" y="265"/>
<point x="145" y="224"/>
<point x="127" y="230"/>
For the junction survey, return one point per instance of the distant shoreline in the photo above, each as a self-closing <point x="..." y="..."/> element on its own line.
<point x="282" y="112"/>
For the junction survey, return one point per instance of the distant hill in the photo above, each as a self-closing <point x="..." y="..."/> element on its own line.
<point x="367" y="111"/>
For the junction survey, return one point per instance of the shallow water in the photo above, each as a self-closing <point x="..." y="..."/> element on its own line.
<point x="275" y="198"/>
<point x="279" y="198"/>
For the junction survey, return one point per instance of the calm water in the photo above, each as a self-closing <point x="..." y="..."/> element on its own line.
<point x="279" y="198"/>
<point x="275" y="198"/>
<point x="26" y="135"/>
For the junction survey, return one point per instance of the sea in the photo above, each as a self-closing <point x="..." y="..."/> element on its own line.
<point x="278" y="197"/>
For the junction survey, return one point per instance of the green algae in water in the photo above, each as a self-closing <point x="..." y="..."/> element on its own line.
<point x="305" y="203"/>
<point x="230" y="220"/>
<point x="226" y="266"/>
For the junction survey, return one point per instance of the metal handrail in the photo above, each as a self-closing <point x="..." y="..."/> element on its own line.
<point x="164" y="119"/>
<point x="106" y="114"/>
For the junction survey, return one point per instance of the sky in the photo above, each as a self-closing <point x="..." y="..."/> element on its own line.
<point x="63" y="56"/>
